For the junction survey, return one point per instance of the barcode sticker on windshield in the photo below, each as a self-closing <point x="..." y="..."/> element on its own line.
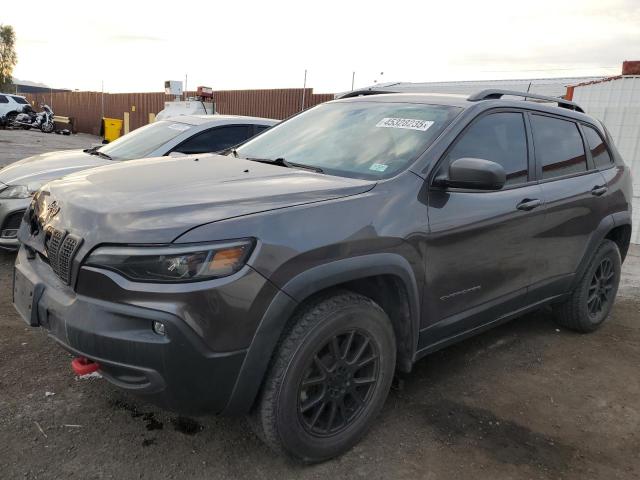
<point x="378" y="167"/>
<point x="408" y="123"/>
<point x="179" y="126"/>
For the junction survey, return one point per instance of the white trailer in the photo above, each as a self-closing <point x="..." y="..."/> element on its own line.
<point x="616" y="102"/>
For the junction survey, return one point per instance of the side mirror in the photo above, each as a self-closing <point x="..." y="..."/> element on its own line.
<point x="475" y="173"/>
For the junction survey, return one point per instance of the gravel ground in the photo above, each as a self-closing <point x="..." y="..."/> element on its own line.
<point x="18" y="144"/>
<point x="524" y="401"/>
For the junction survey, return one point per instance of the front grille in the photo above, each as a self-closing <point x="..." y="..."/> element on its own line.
<point x="61" y="249"/>
<point x="11" y="225"/>
<point x="65" y="257"/>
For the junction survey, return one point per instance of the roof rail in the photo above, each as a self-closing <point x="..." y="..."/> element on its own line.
<point x="491" y="94"/>
<point x="369" y="91"/>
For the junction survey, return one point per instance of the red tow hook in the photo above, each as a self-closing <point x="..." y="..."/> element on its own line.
<point x="84" y="366"/>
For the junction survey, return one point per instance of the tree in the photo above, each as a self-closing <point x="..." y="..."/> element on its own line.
<point x="8" y="56"/>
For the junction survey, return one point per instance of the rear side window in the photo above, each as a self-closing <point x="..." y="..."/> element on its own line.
<point x="558" y="146"/>
<point x="19" y="100"/>
<point x="499" y="137"/>
<point x="598" y="148"/>
<point x="215" y="139"/>
<point x="4" y="99"/>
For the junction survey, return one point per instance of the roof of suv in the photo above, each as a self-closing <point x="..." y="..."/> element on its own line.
<point x="430" y="98"/>
<point x="486" y="98"/>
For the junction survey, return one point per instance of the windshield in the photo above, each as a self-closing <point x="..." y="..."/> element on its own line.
<point x="369" y="140"/>
<point x="144" y="140"/>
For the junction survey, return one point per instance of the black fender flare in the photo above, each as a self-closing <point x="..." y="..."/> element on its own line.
<point x="607" y="224"/>
<point x="297" y="290"/>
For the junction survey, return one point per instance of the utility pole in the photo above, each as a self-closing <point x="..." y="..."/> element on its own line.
<point x="353" y="80"/>
<point x="304" y="89"/>
<point x="102" y="101"/>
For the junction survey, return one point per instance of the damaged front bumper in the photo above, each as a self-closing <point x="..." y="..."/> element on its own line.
<point x="177" y="370"/>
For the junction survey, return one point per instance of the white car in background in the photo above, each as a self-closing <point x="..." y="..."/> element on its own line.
<point x="11" y="104"/>
<point x="183" y="135"/>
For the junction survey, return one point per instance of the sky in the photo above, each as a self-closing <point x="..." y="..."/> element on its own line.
<point x="135" y="45"/>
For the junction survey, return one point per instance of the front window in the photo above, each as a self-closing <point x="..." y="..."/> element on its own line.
<point x="144" y="140"/>
<point x="499" y="137"/>
<point x="358" y="139"/>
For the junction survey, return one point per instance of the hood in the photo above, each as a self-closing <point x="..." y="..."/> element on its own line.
<point x="156" y="200"/>
<point x="39" y="169"/>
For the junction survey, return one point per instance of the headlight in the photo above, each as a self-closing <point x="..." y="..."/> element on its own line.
<point x="174" y="263"/>
<point x="16" y="191"/>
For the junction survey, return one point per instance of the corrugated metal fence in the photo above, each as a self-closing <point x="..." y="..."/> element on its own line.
<point x="87" y="107"/>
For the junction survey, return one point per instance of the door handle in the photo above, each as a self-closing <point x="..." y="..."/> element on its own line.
<point x="528" y="204"/>
<point x="599" y="190"/>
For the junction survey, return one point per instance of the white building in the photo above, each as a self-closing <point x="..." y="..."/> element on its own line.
<point x="616" y="102"/>
<point x="554" y="87"/>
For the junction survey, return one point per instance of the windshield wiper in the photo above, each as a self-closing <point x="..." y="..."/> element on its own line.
<point x="284" y="163"/>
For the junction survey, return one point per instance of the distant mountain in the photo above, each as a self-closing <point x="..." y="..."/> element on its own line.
<point x="27" y="86"/>
<point x="29" y="83"/>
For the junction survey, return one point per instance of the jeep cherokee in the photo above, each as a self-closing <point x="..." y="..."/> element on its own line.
<point x="290" y="279"/>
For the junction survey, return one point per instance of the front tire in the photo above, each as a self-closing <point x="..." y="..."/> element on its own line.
<point x="329" y="378"/>
<point x="47" y="127"/>
<point x="590" y="303"/>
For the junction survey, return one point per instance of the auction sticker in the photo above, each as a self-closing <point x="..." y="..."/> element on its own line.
<point x="408" y="123"/>
<point x="378" y="167"/>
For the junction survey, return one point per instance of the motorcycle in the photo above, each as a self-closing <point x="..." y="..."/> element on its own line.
<point x="30" y="119"/>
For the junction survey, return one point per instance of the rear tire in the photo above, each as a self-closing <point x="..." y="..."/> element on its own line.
<point x="329" y="378"/>
<point x="590" y="303"/>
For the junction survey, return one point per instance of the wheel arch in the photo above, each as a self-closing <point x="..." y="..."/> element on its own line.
<point x="616" y="227"/>
<point x="386" y="278"/>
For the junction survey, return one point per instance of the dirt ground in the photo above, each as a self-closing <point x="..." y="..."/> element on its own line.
<point x="524" y="401"/>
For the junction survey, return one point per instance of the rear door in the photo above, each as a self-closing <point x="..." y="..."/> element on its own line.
<point x="482" y="244"/>
<point x="573" y="192"/>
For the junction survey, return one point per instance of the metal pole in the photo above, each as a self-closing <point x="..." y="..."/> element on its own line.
<point x="304" y="89"/>
<point x="185" y="86"/>
<point x="353" y="80"/>
<point x="102" y="102"/>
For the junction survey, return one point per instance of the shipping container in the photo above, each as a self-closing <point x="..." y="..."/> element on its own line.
<point x="616" y="102"/>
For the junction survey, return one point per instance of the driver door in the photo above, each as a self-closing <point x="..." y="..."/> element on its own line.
<point x="481" y="252"/>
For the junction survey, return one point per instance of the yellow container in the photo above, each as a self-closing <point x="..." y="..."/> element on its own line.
<point x="111" y="128"/>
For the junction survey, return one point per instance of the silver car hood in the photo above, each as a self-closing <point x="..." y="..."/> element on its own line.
<point x="40" y="169"/>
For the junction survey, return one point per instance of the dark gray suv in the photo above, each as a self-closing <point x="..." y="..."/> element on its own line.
<point x="290" y="279"/>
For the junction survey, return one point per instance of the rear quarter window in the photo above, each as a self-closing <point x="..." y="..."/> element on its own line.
<point x="19" y="100"/>
<point x="558" y="146"/>
<point x="599" y="151"/>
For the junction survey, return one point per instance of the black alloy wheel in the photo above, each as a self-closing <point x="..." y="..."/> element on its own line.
<point x="338" y="383"/>
<point x="601" y="288"/>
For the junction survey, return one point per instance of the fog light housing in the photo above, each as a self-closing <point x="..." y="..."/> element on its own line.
<point x="158" y="327"/>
